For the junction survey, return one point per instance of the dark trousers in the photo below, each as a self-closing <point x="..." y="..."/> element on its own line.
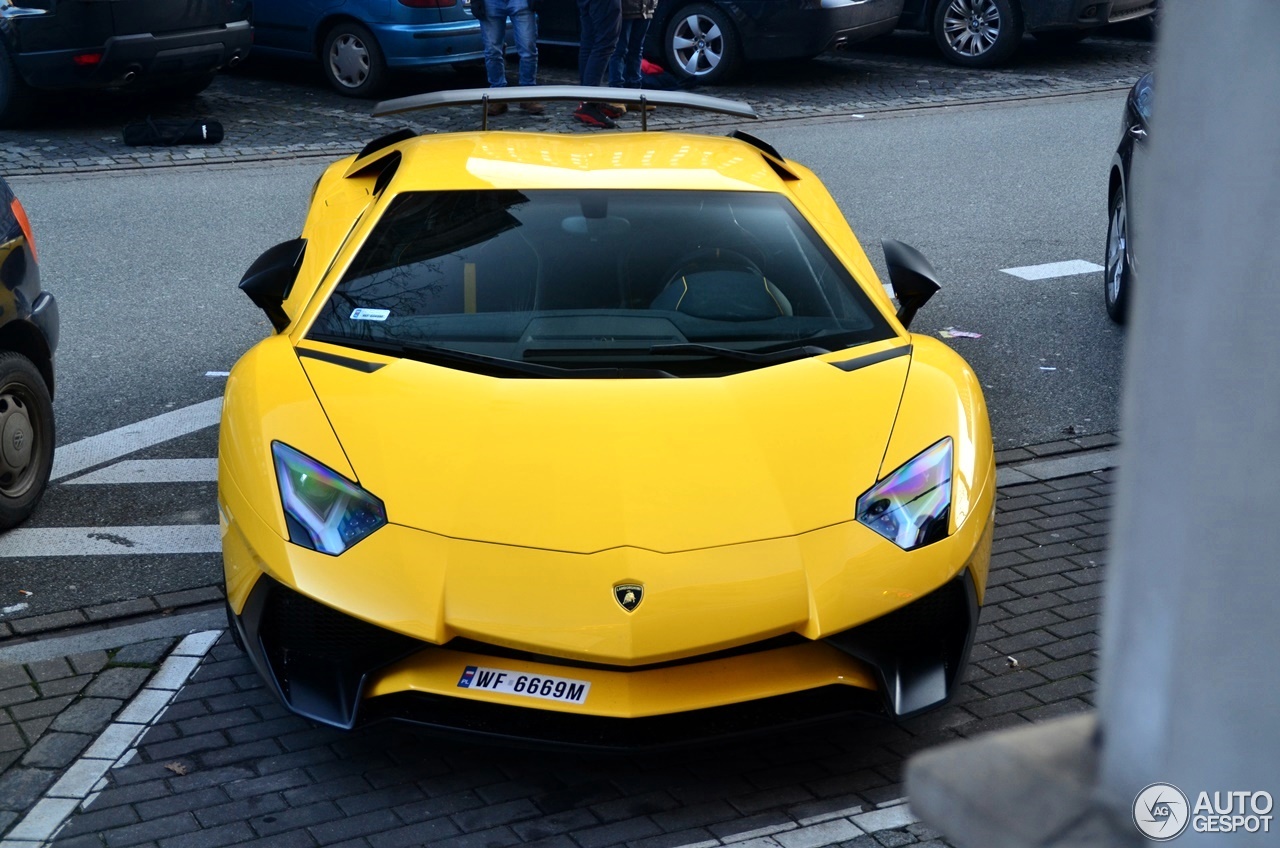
<point x="599" y="21"/>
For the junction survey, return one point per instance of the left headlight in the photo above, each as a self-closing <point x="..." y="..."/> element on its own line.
<point x="323" y="510"/>
<point x="912" y="506"/>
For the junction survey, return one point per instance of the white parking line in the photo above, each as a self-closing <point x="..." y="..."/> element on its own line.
<point x="153" y="471"/>
<point x="113" y="444"/>
<point x="80" y="784"/>
<point x="1050" y="270"/>
<point x="110" y="541"/>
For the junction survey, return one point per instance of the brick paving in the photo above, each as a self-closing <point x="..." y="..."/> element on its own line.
<point x="272" y="109"/>
<point x="226" y="764"/>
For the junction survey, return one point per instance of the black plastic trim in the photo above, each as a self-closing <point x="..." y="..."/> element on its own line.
<point x="918" y="651"/>
<point x="771" y="155"/>
<point x="393" y="137"/>
<point x="344" y="361"/>
<point x="872" y="358"/>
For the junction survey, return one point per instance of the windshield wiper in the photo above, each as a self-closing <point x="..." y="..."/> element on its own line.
<point x="435" y="354"/>
<point x="771" y="357"/>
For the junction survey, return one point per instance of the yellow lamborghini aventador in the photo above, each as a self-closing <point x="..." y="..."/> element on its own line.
<point x="601" y="440"/>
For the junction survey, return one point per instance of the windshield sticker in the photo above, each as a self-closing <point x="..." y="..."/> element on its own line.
<point x="363" y="314"/>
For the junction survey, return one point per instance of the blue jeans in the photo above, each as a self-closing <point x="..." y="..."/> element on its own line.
<point x="624" y="67"/>
<point x="493" y="31"/>
<point x="599" y="22"/>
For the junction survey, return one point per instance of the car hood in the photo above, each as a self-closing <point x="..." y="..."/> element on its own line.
<point x="588" y="465"/>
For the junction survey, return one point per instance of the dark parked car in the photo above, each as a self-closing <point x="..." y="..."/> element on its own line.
<point x="1120" y="265"/>
<point x="163" y="45"/>
<point x="28" y="337"/>
<point x="984" y="33"/>
<point x="708" y="40"/>
<point x="358" y="42"/>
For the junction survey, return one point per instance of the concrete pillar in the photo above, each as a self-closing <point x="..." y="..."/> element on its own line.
<point x="1190" y="671"/>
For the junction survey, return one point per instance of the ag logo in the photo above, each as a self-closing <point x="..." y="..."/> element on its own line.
<point x="1161" y="812"/>
<point x="628" y="595"/>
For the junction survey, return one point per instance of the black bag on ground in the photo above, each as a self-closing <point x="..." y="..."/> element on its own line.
<point x="172" y="132"/>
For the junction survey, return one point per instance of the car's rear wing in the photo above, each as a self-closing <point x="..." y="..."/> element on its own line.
<point x="513" y="94"/>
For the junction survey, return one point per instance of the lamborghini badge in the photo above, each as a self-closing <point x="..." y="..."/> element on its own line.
<point x="628" y="595"/>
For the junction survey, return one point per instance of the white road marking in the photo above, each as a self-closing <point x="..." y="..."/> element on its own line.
<point x="80" y="783"/>
<point x="15" y="608"/>
<point x="153" y="471"/>
<point x="113" y="444"/>
<point x="1050" y="270"/>
<point x="217" y="373"/>
<point x="110" y="541"/>
<point x="891" y="815"/>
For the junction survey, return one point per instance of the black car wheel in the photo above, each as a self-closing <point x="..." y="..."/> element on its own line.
<point x="701" y="44"/>
<point x="15" y="95"/>
<point x="1118" y="272"/>
<point x="353" y="61"/>
<point x="977" y="33"/>
<point x="26" y="438"/>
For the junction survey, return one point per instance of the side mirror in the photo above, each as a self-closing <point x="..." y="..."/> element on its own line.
<point x="913" y="279"/>
<point x="271" y="276"/>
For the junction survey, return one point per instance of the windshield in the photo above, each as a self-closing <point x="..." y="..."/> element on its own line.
<point x="682" y="282"/>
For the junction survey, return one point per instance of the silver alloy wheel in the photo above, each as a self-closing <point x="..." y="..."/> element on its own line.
<point x="349" y="60"/>
<point x="1117" y="250"/>
<point x="698" y="45"/>
<point x="971" y="27"/>
<point x="19" y="442"/>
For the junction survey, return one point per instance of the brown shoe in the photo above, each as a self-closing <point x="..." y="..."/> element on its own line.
<point x="533" y="107"/>
<point x="496" y="108"/>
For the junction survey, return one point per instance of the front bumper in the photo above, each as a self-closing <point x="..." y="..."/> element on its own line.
<point x="140" y="57"/>
<point x="1076" y="14"/>
<point x="341" y="671"/>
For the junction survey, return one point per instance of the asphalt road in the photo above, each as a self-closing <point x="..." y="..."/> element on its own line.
<point x="145" y="266"/>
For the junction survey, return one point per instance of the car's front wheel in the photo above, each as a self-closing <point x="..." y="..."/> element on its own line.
<point x="26" y="438"/>
<point x="977" y="33"/>
<point x="702" y="44"/>
<point x="353" y="61"/>
<point x="1118" y="272"/>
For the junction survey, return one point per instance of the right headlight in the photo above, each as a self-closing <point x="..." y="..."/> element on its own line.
<point x="323" y="510"/>
<point x="912" y="506"/>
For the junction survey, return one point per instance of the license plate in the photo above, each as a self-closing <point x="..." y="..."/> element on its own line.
<point x="529" y="685"/>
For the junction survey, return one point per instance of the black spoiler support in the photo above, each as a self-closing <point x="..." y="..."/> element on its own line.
<point x="482" y="97"/>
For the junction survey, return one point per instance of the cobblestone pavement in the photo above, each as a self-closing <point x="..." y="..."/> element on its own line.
<point x="273" y="109"/>
<point x="225" y="764"/>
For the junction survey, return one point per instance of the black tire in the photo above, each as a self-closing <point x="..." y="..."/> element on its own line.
<point x="700" y="43"/>
<point x="26" y="438"/>
<point x="16" y="97"/>
<point x="352" y="60"/>
<point x="977" y="33"/>
<point x="1117" y="276"/>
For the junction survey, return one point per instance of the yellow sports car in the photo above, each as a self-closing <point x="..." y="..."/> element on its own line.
<point x="597" y="440"/>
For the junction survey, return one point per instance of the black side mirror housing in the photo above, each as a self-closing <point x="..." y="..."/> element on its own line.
<point x="271" y="276"/>
<point x="913" y="279"/>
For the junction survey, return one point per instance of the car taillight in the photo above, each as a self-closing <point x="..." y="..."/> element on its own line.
<point x="21" y="215"/>
<point x="428" y="4"/>
<point x="86" y="59"/>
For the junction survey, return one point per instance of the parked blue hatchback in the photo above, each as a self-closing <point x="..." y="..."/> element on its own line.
<point x="358" y="42"/>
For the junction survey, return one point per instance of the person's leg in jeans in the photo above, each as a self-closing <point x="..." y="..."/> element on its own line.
<point x="601" y="20"/>
<point x="493" y="32"/>
<point x="634" y="47"/>
<point x="524" y="23"/>
<point x="616" y="70"/>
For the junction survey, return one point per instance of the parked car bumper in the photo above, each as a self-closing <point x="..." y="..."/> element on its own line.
<point x="1074" y="14"/>
<point x="792" y="31"/>
<point x="424" y="45"/>
<point x="125" y="58"/>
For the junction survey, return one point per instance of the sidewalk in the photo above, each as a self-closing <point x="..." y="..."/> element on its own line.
<point x="219" y="762"/>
